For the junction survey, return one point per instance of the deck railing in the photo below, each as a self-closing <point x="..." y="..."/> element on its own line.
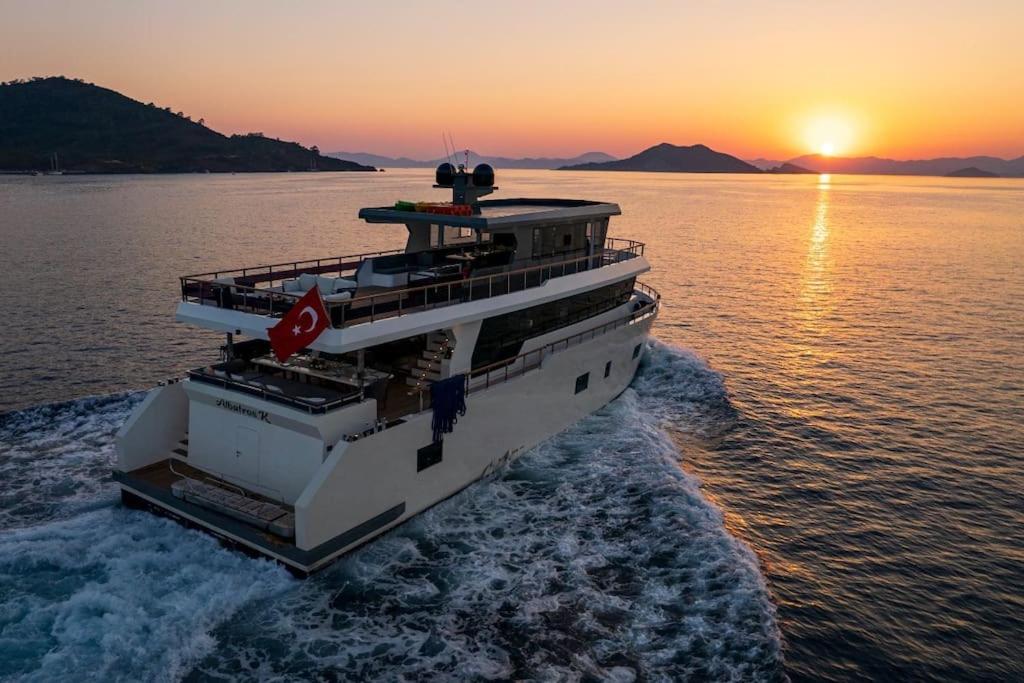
<point x="201" y="375"/>
<point x="241" y="295"/>
<point x="291" y="269"/>
<point x="502" y="371"/>
<point x="425" y="297"/>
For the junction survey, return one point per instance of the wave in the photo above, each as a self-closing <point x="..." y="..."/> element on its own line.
<point x="592" y="556"/>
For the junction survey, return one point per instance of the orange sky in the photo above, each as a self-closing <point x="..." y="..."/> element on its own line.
<point x="773" y="79"/>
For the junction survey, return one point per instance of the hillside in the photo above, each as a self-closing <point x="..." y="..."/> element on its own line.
<point x="789" y="168"/>
<point x="96" y="130"/>
<point x="474" y="159"/>
<point x="937" y="167"/>
<point x="668" y="158"/>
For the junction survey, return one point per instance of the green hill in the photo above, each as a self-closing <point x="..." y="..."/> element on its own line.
<point x="96" y="130"/>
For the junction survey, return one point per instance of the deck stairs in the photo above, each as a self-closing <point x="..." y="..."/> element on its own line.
<point x="429" y="364"/>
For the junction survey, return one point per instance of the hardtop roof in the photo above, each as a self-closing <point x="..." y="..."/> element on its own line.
<point x="501" y="213"/>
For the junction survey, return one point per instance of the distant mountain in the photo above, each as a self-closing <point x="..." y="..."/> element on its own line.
<point x="474" y="159"/>
<point x="790" y="168"/>
<point x="96" y="130"/>
<point x="971" y="172"/>
<point x="765" y="164"/>
<point x="938" y="167"/>
<point x="673" y="159"/>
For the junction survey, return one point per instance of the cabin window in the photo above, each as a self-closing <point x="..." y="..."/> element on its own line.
<point x="502" y="336"/>
<point x="582" y="382"/>
<point x="428" y="456"/>
<point x="636" y="351"/>
<point x="607" y="369"/>
<point x="459" y="235"/>
<point x="552" y="240"/>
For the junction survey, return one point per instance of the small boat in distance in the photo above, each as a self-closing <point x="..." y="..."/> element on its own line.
<point x="54" y="165"/>
<point x="499" y="324"/>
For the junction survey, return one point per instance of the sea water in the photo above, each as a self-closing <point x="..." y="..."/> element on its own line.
<point x="815" y="475"/>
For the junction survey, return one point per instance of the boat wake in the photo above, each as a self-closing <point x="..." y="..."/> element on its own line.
<point x="593" y="555"/>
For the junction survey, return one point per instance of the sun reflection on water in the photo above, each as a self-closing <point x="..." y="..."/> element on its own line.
<point x="815" y="305"/>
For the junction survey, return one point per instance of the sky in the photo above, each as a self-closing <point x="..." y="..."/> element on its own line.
<point x="529" y="78"/>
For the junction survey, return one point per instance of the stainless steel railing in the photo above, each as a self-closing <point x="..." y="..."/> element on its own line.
<point x="242" y="295"/>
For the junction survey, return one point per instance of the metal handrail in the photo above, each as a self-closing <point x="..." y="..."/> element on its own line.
<point x="396" y="302"/>
<point x="293" y="265"/>
<point x="602" y="257"/>
<point x="283" y="399"/>
<point x="506" y="369"/>
<point x="504" y="366"/>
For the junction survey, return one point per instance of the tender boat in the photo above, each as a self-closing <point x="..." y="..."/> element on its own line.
<point x="499" y="324"/>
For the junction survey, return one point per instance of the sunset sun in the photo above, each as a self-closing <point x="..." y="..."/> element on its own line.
<point x="828" y="134"/>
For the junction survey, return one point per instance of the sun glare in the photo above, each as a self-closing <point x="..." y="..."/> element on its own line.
<point x="828" y="135"/>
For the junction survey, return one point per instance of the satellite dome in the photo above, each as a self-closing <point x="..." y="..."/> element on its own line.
<point x="483" y="175"/>
<point x="445" y="174"/>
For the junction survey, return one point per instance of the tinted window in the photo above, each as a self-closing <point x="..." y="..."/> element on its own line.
<point x="607" y="368"/>
<point x="582" y="382"/>
<point x="636" y="350"/>
<point x="502" y="336"/>
<point x="429" y="456"/>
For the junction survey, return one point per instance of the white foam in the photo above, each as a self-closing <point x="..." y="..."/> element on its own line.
<point x="56" y="459"/>
<point x="118" y="595"/>
<point x="594" y="555"/>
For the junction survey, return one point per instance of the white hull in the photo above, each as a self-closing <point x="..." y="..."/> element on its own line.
<point x="346" y="492"/>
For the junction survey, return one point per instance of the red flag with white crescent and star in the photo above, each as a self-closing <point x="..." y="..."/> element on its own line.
<point x="300" y="326"/>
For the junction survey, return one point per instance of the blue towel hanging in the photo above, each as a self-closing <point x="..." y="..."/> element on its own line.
<point x="448" y="398"/>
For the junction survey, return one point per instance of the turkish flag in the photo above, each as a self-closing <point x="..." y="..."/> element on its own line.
<point x="300" y="326"/>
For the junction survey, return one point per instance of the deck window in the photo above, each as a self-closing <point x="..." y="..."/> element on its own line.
<point x="582" y="382"/>
<point x="607" y="369"/>
<point x="502" y="336"/>
<point x="636" y="351"/>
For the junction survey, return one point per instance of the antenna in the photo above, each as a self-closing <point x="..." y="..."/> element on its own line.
<point x="444" y="142"/>
<point x="452" y="141"/>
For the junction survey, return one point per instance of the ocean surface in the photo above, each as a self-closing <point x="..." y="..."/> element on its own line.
<point x="817" y="474"/>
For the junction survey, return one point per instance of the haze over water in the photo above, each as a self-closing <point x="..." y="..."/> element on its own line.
<point x="840" y="364"/>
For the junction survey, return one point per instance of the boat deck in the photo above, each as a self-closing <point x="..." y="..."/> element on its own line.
<point x="259" y="290"/>
<point x="161" y="479"/>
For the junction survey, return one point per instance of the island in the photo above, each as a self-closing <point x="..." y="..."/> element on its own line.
<point x="65" y="124"/>
<point x="668" y="158"/>
<point x="790" y="168"/>
<point x="971" y="172"/>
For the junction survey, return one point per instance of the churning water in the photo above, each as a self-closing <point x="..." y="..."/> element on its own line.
<point x="816" y="473"/>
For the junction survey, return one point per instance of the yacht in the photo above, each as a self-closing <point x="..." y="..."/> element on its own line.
<point x="499" y="324"/>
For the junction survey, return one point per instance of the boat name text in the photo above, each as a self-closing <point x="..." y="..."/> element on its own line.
<point x="244" y="410"/>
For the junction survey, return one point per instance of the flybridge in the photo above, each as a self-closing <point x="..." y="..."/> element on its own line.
<point x="467" y="210"/>
<point x="496" y="214"/>
<point x="259" y="290"/>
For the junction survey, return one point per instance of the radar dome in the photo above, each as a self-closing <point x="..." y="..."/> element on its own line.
<point x="445" y="174"/>
<point x="483" y="175"/>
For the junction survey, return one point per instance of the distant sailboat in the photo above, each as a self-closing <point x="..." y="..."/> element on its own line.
<point x="54" y="166"/>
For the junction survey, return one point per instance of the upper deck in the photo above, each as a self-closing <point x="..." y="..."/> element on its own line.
<point x="418" y="285"/>
<point x="468" y="252"/>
